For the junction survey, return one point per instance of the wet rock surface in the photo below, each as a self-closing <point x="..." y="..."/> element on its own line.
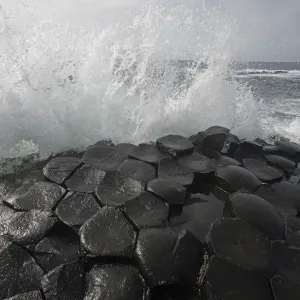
<point x="211" y="213"/>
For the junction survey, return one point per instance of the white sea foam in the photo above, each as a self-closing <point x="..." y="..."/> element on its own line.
<point x="65" y="86"/>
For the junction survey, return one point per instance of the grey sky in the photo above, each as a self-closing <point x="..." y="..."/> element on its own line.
<point x="270" y="29"/>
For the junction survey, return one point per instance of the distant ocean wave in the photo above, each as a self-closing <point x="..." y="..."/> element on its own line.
<point x="265" y="72"/>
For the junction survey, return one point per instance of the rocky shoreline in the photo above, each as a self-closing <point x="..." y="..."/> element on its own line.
<point x="205" y="217"/>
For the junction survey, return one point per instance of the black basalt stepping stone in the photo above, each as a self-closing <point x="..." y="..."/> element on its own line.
<point x="153" y="254"/>
<point x="257" y="212"/>
<point x="6" y="216"/>
<point x="35" y="295"/>
<point x="240" y="244"/>
<point x="289" y="148"/>
<point x="137" y="170"/>
<point x="41" y="196"/>
<point x="262" y="171"/>
<point x="147" y="153"/>
<point x="77" y="208"/>
<point x="64" y="282"/>
<point x="282" y="203"/>
<point x="94" y="154"/>
<point x="166" y="257"/>
<point x="60" y="168"/>
<point x="197" y="215"/>
<point x="227" y="161"/>
<point x="286" y="260"/>
<point x="30" y="227"/>
<point x="292" y="235"/>
<point x="230" y="146"/>
<point x="112" y="161"/>
<point x="215" y="137"/>
<point x="169" y="168"/>
<point x="125" y="148"/>
<point x="19" y="272"/>
<point x="115" y="282"/>
<point x="147" y="211"/>
<point x="175" y="145"/>
<point x="85" y="179"/>
<point x="54" y="251"/>
<point x="234" y="178"/>
<point x="108" y="233"/>
<point x="107" y="143"/>
<point x="226" y="281"/>
<point x="280" y="162"/>
<point x="115" y="190"/>
<point x="198" y="138"/>
<point x="248" y="149"/>
<point x="283" y="289"/>
<point x="198" y="163"/>
<point x="170" y="191"/>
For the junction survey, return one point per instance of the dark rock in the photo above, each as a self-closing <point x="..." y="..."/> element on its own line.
<point x="147" y="211"/>
<point x="240" y="244"/>
<point x="125" y="148"/>
<point x="197" y="215"/>
<point x="106" y="143"/>
<point x="115" y="190"/>
<point x="85" y="179"/>
<point x="284" y="289"/>
<point x="170" y="169"/>
<point x="148" y="153"/>
<point x="282" y="203"/>
<point x="261" y="142"/>
<point x="249" y="149"/>
<point x="198" y="163"/>
<point x="257" y="212"/>
<point x="262" y="171"/>
<point x="115" y="282"/>
<point x="19" y="272"/>
<point x="230" y="146"/>
<point x="66" y="282"/>
<point x="198" y="139"/>
<point x="170" y="191"/>
<point x="96" y="154"/>
<point x="226" y="281"/>
<point x="77" y="208"/>
<point x="226" y="161"/>
<point x="280" y="162"/>
<point x="174" y="145"/>
<point x="233" y="178"/>
<point x="292" y="235"/>
<point x="286" y="259"/>
<point x="30" y="227"/>
<point x="112" y="161"/>
<point x="54" y="251"/>
<point x="287" y="149"/>
<point x="215" y="137"/>
<point x="137" y="170"/>
<point x="108" y="233"/>
<point x="6" y="216"/>
<point x="5" y="188"/>
<point x="35" y="295"/>
<point x="60" y="168"/>
<point x="42" y="196"/>
<point x="165" y="257"/>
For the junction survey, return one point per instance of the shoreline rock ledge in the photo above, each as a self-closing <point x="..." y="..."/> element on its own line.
<point x="205" y="217"/>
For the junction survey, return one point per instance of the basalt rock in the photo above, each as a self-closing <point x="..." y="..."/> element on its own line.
<point x="77" y="208"/>
<point x="147" y="153"/>
<point x="233" y="178"/>
<point x="85" y="179"/>
<point x="170" y="191"/>
<point x="230" y="146"/>
<point x="115" y="282"/>
<point x="97" y="154"/>
<point x="227" y="281"/>
<point x="108" y="233"/>
<point x="125" y="148"/>
<point x="215" y="137"/>
<point x="287" y="149"/>
<point x="280" y="162"/>
<point x="174" y="145"/>
<point x="60" y="168"/>
<point x="41" y="196"/>
<point x="19" y="272"/>
<point x="65" y="282"/>
<point x="262" y="171"/>
<point x="248" y="149"/>
<point x="35" y="295"/>
<point x="241" y="244"/>
<point x="147" y="211"/>
<point x="115" y="190"/>
<point x="137" y="170"/>
<point x="257" y="212"/>
<point x="169" y="168"/>
<point x="29" y="228"/>
<point x="284" y="289"/>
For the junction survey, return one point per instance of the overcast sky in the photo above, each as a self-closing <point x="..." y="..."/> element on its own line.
<point x="270" y="28"/>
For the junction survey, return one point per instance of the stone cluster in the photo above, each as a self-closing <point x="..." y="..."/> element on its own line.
<point x="205" y="217"/>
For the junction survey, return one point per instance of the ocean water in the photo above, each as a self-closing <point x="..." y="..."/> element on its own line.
<point x="75" y="72"/>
